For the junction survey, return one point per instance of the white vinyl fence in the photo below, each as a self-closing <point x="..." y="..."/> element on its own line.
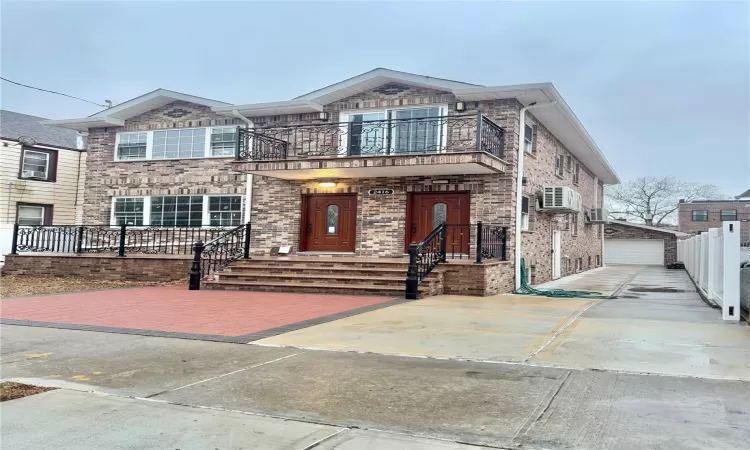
<point x="712" y="259"/>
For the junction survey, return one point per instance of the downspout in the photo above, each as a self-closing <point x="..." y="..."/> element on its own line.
<point x="519" y="188"/>
<point x="249" y="180"/>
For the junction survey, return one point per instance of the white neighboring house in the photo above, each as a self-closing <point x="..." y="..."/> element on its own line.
<point x="41" y="168"/>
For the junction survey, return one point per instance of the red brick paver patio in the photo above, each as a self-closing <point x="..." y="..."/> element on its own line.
<point x="174" y="309"/>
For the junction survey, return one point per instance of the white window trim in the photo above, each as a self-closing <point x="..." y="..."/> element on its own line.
<point x="46" y="163"/>
<point x="205" y="215"/>
<point x="530" y="141"/>
<point x="344" y="120"/>
<point x="150" y="144"/>
<point x="525" y="215"/>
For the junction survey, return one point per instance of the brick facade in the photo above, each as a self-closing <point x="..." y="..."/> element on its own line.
<point x="615" y="230"/>
<point x="381" y="221"/>
<point x="130" y="268"/>
<point x="107" y="178"/>
<point x="714" y="208"/>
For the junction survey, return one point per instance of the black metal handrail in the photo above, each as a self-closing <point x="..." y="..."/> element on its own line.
<point x="437" y="134"/>
<point x="218" y="253"/>
<point x="451" y="241"/>
<point x="120" y="239"/>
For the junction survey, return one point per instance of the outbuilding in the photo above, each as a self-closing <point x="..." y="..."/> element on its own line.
<point x="633" y="243"/>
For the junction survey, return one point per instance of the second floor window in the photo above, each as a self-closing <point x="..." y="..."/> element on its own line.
<point x="559" y="165"/>
<point x="185" y="143"/>
<point x="223" y="141"/>
<point x="700" y="216"/>
<point x="728" y="214"/>
<point x="577" y="174"/>
<point x="528" y="139"/>
<point x="131" y="146"/>
<point x="36" y="165"/>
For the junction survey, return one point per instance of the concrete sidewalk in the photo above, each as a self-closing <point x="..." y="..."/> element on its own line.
<point x="71" y="420"/>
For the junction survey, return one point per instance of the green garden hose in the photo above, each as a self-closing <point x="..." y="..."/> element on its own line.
<point x="526" y="289"/>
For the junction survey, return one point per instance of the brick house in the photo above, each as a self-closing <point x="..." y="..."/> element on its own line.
<point x="697" y="216"/>
<point x="359" y="170"/>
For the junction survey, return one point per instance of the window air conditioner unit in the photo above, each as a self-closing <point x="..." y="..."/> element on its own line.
<point x="561" y="199"/>
<point x="599" y="215"/>
<point x="33" y="174"/>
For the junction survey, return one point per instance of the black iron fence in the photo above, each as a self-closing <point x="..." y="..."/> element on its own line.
<point x="489" y="241"/>
<point x="456" y="133"/>
<point x="218" y="253"/>
<point x="121" y="239"/>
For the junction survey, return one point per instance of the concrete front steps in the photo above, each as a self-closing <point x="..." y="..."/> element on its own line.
<point x="322" y="275"/>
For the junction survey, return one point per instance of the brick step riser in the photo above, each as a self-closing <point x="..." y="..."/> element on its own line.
<point x="295" y="264"/>
<point x="396" y="284"/>
<point x="345" y="271"/>
<point x="308" y="289"/>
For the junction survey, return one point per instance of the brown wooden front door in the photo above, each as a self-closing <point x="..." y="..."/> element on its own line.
<point x="427" y="211"/>
<point x="329" y="223"/>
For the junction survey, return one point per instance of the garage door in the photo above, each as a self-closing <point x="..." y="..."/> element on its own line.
<point x="634" y="251"/>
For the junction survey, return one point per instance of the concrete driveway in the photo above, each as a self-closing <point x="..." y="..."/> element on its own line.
<point x="658" y="325"/>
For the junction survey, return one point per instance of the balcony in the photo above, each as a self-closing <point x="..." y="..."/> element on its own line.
<point x="422" y="146"/>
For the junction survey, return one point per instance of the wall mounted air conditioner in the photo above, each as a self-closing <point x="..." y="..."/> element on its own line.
<point x="33" y="174"/>
<point x="561" y="199"/>
<point x="598" y="215"/>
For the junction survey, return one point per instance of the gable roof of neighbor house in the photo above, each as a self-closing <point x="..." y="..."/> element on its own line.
<point x="558" y="117"/>
<point x="641" y="226"/>
<point x="745" y="194"/>
<point x="15" y="125"/>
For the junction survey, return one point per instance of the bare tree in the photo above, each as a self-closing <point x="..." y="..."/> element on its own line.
<point x="655" y="200"/>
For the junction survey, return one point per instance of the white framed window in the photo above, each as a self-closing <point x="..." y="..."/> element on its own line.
<point x="178" y="211"/>
<point x="577" y="174"/>
<point x="579" y="264"/>
<point x="35" y="164"/>
<point x="409" y="130"/>
<point x="131" y="145"/>
<point x="179" y="143"/>
<point x="29" y="215"/>
<point x="573" y="224"/>
<point x="176" y="143"/>
<point x="528" y="139"/>
<point x="225" y="211"/>
<point x="559" y="165"/>
<point x="128" y="211"/>
<point x="524" y="213"/>
<point x="223" y="141"/>
<point x="569" y="162"/>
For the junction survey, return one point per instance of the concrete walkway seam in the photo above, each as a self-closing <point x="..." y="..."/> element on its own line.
<point x="560" y="330"/>
<point x="543" y="406"/>
<point x="626" y="283"/>
<point x="224" y="375"/>
<point x="320" y="441"/>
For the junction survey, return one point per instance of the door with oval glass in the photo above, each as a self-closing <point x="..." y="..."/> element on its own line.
<point x="426" y="211"/>
<point x="329" y="223"/>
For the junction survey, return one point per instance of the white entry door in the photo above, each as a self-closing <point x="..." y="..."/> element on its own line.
<point x="634" y="251"/>
<point x="556" y="254"/>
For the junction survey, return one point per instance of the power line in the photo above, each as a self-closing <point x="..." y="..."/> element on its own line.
<point x="52" y="92"/>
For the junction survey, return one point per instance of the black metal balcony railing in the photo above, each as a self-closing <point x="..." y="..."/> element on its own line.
<point x="458" y="133"/>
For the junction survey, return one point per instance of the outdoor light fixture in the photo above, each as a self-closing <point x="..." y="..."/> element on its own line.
<point x="440" y="181"/>
<point x="323" y="115"/>
<point x="460" y="106"/>
<point x="327" y="184"/>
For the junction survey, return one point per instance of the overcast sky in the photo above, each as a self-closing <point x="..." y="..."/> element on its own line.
<point x="664" y="88"/>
